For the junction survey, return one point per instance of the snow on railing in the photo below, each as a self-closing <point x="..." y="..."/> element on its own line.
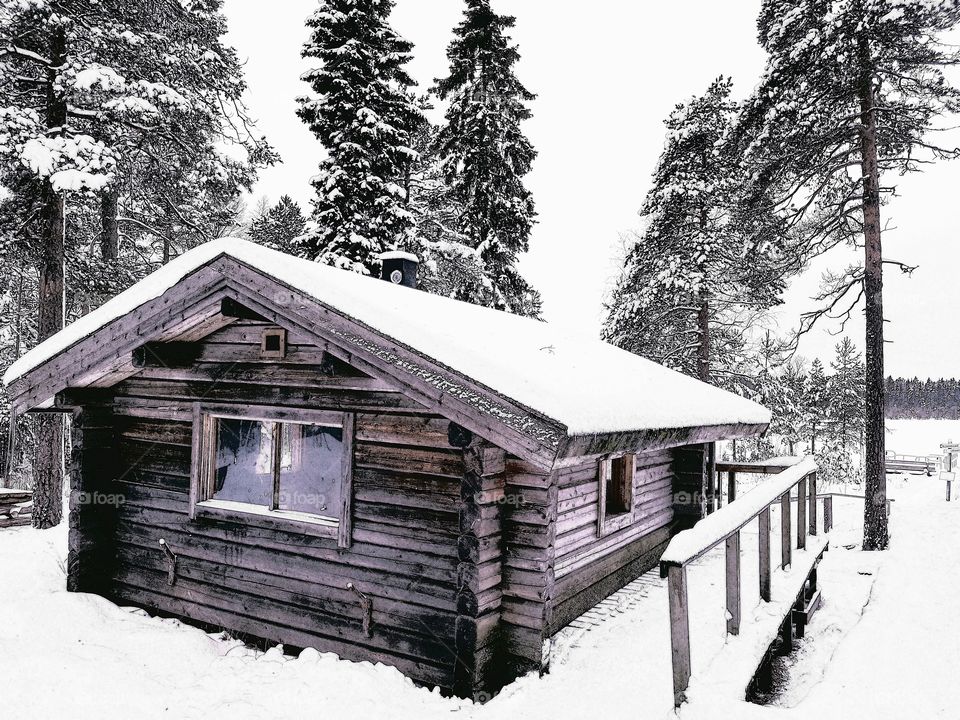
<point x="724" y="525"/>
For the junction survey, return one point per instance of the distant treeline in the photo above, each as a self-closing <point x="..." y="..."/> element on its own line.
<point x="921" y="399"/>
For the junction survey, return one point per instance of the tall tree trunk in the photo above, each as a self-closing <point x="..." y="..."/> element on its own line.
<point x="110" y="227"/>
<point x="48" y="457"/>
<point x="875" y="531"/>
<point x="703" y="347"/>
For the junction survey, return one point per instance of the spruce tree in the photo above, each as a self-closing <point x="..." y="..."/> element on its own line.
<point x="278" y="227"/>
<point x="363" y="112"/>
<point x="849" y="97"/>
<point x="847" y="396"/>
<point x="701" y="274"/>
<point x="817" y="404"/>
<point x="788" y="406"/>
<point x="484" y="153"/>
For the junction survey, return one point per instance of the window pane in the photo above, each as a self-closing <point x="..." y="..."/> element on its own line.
<point x="311" y="469"/>
<point x="243" y="466"/>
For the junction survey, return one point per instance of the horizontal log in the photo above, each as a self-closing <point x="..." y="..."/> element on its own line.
<point x="212" y="392"/>
<point x="286" y="375"/>
<point x="416" y="430"/>
<point x="429" y="461"/>
<point x="572" y="556"/>
<point x="152" y="430"/>
<point x="395" y="582"/>
<point x="334" y="602"/>
<point x="421" y="671"/>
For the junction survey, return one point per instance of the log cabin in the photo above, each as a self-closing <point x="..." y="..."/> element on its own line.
<point x="320" y="459"/>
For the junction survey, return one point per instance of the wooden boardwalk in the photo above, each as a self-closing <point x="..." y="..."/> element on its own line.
<point x="635" y="622"/>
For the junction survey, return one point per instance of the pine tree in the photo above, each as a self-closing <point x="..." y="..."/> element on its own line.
<point x="279" y="226"/>
<point x="91" y="93"/>
<point x="364" y="113"/>
<point x="851" y="92"/>
<point x="694" y="281"/>
<point x="485" y="154"/>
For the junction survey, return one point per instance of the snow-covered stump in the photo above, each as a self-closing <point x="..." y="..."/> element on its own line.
<point x="724" y="526"/>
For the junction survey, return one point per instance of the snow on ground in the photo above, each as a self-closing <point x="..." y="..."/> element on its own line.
<point x="883" y="645"/>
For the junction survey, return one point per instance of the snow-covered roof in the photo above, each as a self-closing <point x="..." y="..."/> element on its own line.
<point x="586" y="385"/>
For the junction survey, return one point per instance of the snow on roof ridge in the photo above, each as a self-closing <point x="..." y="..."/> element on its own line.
<point x="587" y="385"/>
<point x="398" y="255"/>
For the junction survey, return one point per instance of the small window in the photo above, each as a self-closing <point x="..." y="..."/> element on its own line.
<point x="273" y="343"/>
<point x="620" y="485"/>
<point x="275" y="472"/>
<point x="615" y="478"/>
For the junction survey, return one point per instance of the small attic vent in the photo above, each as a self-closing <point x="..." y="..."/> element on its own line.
<point x="273" y="343"/>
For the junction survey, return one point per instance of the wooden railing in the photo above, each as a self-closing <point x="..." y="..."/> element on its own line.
<point x="724" y="526"/>
<point x="896" y="462"/>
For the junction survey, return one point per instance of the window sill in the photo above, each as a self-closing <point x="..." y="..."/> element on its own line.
<point x="254" y="516"/>
<point x="614" y="523"/>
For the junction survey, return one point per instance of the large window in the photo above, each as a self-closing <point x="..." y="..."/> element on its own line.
<point x="279" y="469"/>
<point x="615" y="502"/>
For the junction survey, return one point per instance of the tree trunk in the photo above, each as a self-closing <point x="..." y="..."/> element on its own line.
<point x="110" y="227"/>
<point x="703" y="348"/>
<point x="875" y="531"/>
<point x="48" y="456"/>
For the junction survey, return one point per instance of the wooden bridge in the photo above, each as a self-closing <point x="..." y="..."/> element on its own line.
<point x="793" y="592"/>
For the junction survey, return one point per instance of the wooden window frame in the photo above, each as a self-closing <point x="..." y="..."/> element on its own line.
<point x="607" y="524"/>
<point x="281" y="335"/>
<point x="203" y="457"/>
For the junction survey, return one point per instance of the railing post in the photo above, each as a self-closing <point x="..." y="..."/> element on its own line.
<point x="786" y="542"/>
<point x="731" y="486"/>
<point x="828" y="513"/>
<point x="679" y="630"/>
<point x="802" y="514"/>
<point x="733" y="583"/>
<point x="813" y="504"/>
<point x="719" y="481"/>
<point x="786" y="634"/>
<point x="764" y="544"/>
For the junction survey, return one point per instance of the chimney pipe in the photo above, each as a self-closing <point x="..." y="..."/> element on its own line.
<point x="399" y="267"/>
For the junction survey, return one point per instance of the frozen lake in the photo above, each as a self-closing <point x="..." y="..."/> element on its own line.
<point x="920" y="437"/>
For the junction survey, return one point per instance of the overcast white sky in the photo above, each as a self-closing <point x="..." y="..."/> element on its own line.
<point x="607" y="73"/>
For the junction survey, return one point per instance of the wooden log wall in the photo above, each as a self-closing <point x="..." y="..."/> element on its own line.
<point x="590" y="567"/>
<point x="93" y="499"/>
<point x="690" y="468"/>
<point x="281" y="585"/>
<point x="529" y="536"/>
<point x="479" y="646"/>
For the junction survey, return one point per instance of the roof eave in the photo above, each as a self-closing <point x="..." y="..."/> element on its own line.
<point x="580" y="446"/>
